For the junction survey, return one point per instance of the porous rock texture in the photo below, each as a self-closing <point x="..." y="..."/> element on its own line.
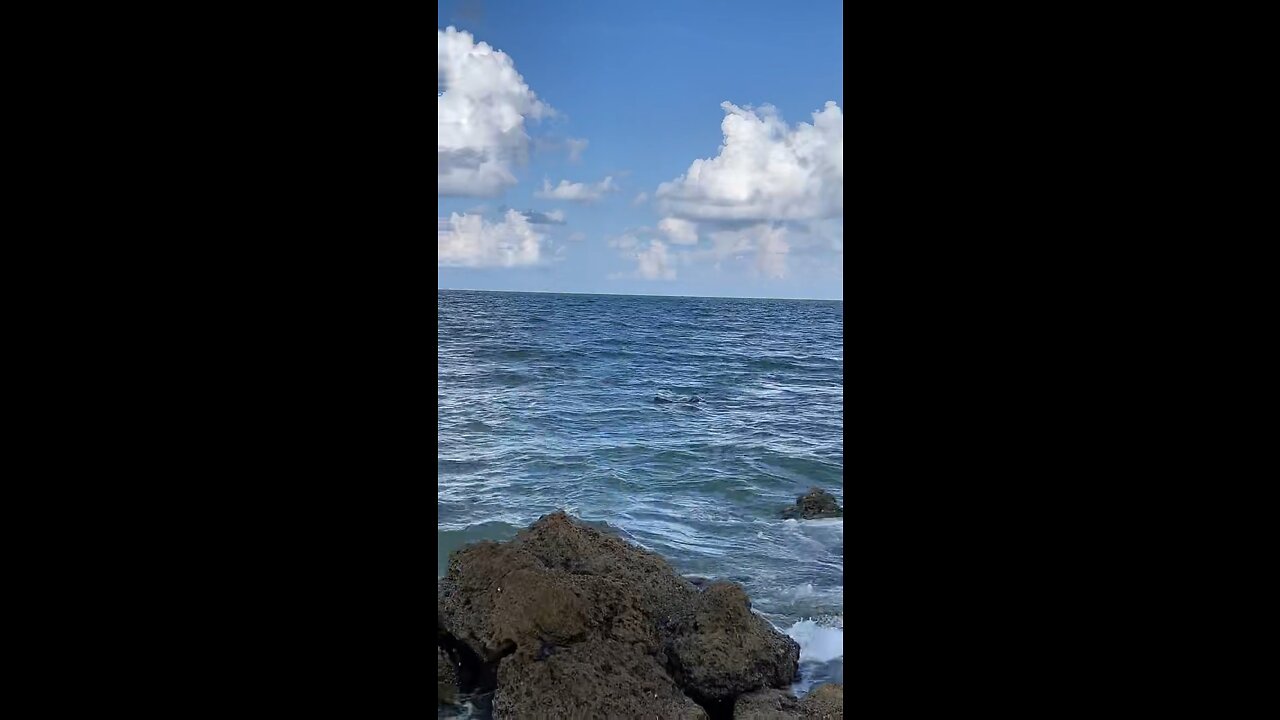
<point x="767" y="704"/>
<point x="446" y="677"/>
<point x="817" y="503"/>
<point x="825" y="702"/>
<point x="568" y="621"/>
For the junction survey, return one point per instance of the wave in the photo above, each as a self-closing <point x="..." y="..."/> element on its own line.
<point x="451" y="540"/>
<point x="818" y="643"/>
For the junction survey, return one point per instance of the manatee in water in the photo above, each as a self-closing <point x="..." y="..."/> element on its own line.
<point x="665" y="401"/>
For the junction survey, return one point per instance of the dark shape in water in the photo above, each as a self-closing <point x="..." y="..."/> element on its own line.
<point x="817" y="503"/>
<point x="660" y="400"/>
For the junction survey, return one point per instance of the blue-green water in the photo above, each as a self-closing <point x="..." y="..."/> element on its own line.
<point x="547" y="402"/>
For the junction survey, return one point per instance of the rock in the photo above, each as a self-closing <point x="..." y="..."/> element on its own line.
<point x="825" y="702"/>
<point x="446" y="678"/>
<point x="767" y="704"/>
<point x="565" y="616"/>
<point x="607" y="679"/>
<point x="816" y="503"/>
<point x="720" y="649"/>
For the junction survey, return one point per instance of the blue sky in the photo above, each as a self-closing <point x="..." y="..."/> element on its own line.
<point x="570" y="135"/>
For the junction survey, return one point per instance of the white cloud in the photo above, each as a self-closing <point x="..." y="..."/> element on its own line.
<point x="681" y="232"/>
<point x="472" y="241"/>
<point x="771" y="251"/>
<point x="641" y="199"/>
<point x="481" y="106"/>
<point x="652" y="258"/>
<point x="765" y="171"/>
<point x="577" y="236"/>
<point x="576" y="146"/>
<point x="576" y="192"/>
<point x="767" y="243"/>
<point x="653" y="262"/>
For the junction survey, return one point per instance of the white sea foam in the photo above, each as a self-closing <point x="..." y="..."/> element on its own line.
<point x="826" y="522"/>
<point x="817" y="643"/>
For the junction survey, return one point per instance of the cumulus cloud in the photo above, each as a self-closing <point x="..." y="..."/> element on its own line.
<point x="681" y="232"/>
<point x="576" y="192"/>
<point x="472" y="241"/>
<point x="641" y="199"/>
<point x="481" y="105"/>
<point x="765" y="171"/>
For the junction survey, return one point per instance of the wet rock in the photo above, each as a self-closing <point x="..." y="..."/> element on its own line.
<point x="567" y="617"/>
<point x="720" y="649"/>
<point x="817" y="503"/>
<point x="770" y="704"/>
<point x="446" y="678"/>
<point x="607" y="679"/>
<point x="825" y="702"/>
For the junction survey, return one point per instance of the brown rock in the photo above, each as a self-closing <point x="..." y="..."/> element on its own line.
<point x="825" y="702"/>
<point x="817" y="503"/>
<point x="767" y="704"/>
<point x="722" y="649"/>
<point x="446" y="678"/>
<point x="607" y="679"/>
<point x="563" y="601"/>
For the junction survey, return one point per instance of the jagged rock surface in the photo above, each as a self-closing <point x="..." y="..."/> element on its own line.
<point x="563" y="613"/>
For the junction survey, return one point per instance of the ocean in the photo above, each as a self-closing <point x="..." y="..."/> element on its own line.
<point x="547" y="401"/>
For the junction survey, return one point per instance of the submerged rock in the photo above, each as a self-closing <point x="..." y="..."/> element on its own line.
<point x="567" y="621"/>
<point x="817" y="503"/>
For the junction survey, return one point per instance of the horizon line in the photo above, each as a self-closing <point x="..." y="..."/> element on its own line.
<point x="705" y="297"/>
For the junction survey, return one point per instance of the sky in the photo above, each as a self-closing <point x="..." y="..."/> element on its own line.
<point x="656" y="148"/>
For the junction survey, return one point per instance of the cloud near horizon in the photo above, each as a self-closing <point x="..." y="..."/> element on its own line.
<point x="771" y="189"/>
<point x="472" y="241"/>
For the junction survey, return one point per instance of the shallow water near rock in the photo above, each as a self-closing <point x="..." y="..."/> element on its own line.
<point x="546" y="402"/>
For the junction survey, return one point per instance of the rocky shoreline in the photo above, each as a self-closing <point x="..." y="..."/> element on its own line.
<point x="566" y="621"/>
